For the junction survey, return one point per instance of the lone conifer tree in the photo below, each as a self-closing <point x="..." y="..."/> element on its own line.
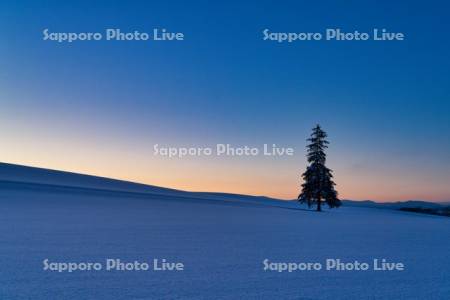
<point x="318" y="183"/>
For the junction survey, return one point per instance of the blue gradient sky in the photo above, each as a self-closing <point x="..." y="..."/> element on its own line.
<point x="98" y="107"/>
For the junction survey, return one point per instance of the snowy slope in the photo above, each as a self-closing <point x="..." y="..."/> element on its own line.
<point x="17" y="173"/>
<point x="221" y="239"/>
<point x="24" y="176"/>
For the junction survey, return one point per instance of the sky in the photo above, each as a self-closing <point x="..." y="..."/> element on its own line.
<point x="99" y="107"/>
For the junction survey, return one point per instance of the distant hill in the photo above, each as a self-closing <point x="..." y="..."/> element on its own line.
<point x="393" y="205"/>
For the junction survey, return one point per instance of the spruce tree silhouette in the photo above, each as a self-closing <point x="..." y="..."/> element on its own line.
<point x="318" y="183"/>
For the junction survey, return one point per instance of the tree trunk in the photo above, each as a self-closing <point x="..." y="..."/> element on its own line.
<point x="319" y="203"/>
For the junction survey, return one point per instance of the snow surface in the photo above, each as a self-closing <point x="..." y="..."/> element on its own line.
<point x="222" y="240"/>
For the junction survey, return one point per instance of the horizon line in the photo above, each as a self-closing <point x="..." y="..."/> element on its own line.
<point x="195" y="191"/>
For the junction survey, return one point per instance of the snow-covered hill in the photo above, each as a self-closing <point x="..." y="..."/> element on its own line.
<point x="18" y="176"/>
<point x="222" y="240"/>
